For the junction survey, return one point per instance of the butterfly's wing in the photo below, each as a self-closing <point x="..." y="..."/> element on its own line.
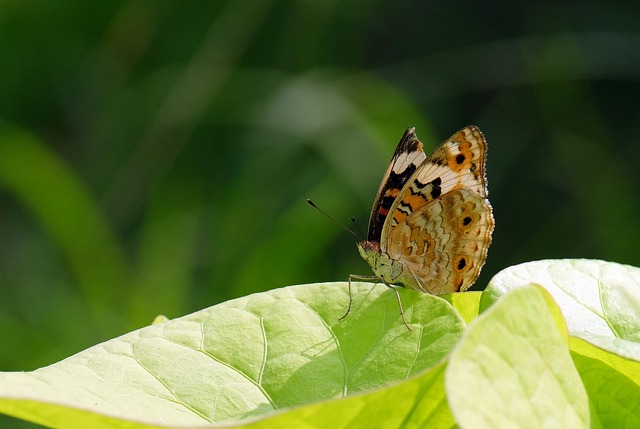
<point x="442" y="245"/>
<point x="409" y="155"/>
<point x="457" y="163"/>
<point x="425" y="211"/>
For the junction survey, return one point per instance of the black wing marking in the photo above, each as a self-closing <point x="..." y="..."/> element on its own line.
<point x="406" y="159"/>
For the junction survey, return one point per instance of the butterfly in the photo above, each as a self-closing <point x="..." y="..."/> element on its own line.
<point x="431" y="223"/>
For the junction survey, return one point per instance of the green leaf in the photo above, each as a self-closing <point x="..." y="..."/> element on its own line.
<point x="418" y="402"/>
<point x="467" y="303"/>
<point x="599" y="300"/>
<point x="613" y="384"/>
<point x="620" y="295"/>
<point x="513" y="369"/>
<point x="252" y="356"/>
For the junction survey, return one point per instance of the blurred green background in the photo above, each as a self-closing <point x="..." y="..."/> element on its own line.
<point x="155" y="156"/>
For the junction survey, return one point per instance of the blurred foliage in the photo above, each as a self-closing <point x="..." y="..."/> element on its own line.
<point x="155" y="156"/>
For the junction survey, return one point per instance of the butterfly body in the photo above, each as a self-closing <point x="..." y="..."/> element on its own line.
<point x="431" y="223"/>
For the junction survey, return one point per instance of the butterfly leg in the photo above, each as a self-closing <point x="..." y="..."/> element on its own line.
<point x="377" y="280"/>
<point x="418" y="281"/>
<point x="395" y="289"/>
<point x="357" y="277"/>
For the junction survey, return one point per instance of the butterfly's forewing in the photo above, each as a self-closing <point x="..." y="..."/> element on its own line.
<point x="443" y="245"/>
<point x="457" y="163"/>
<point x="409" y="155"/>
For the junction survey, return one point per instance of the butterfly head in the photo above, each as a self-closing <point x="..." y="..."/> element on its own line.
<point x="384" y="267"/>
<point x="369" y="250"/>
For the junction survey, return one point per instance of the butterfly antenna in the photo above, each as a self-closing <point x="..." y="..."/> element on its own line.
<point x="355" y="223"/>
<point x="312" y="204"/>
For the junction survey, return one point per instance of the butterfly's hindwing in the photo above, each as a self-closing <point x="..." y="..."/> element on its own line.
<point x="442" y="245"/>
